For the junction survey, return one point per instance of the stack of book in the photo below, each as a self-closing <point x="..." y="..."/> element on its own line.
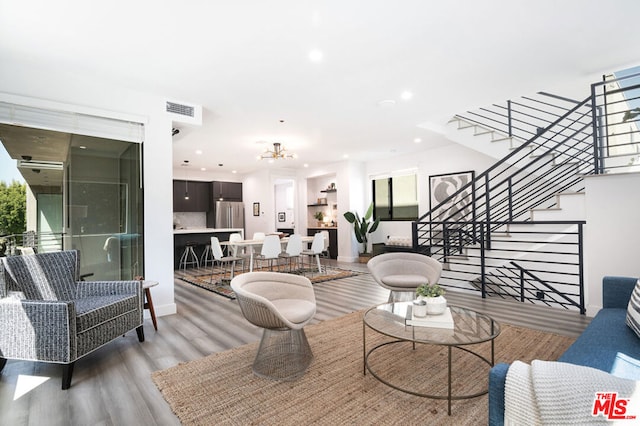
<point x="444" y="320"/>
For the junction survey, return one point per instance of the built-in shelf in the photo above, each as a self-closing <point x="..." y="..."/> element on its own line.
<point x="317" y="205"/>
<point x="329" y="190"/>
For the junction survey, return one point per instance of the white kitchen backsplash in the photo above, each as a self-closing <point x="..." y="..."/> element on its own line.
<point x="186" y="220"/>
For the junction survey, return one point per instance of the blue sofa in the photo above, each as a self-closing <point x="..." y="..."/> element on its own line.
<point x="598" y="346"/>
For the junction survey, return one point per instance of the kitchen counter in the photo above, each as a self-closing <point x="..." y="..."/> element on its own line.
<point x="206" y="230"/>
<point x="322" y="227"/>
<point x="201" y="237"/>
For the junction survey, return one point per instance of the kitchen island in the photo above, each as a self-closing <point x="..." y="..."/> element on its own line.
<point x="201" y="237"/>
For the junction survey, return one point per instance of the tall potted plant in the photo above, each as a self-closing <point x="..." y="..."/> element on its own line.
<point x="362" y="226"/>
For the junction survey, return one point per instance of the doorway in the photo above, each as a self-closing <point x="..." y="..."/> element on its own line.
<point x="284" y="192"/>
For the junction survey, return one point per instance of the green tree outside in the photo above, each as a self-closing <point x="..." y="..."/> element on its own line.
<point x="13" y="208"/>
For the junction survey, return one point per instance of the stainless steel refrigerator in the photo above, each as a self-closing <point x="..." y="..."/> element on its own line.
<point x="229" y="214"/>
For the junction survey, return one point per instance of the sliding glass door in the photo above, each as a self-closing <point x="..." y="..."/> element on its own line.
<point x="82" y="192"/>
<point x="104" y="207"/>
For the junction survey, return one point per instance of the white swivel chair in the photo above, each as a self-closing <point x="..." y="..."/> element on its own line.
<point x="219" y="257"/>
<point x="270" y="251"/>
<point x="293" y="250"/>
<point x="282" y="304"/>
<point x="402" y="273"/>
<point x="317" y="246"/>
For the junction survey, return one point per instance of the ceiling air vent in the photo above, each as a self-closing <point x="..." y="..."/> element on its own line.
<point x="180" y="109"/>
<point x="184" y="112"/>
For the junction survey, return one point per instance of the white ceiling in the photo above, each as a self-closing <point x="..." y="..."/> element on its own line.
<point x="246" y="62"/>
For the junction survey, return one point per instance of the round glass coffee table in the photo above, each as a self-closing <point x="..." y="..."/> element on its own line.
<point x="469" y="328"/>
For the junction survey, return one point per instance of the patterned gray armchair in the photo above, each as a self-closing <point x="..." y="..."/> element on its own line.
<point x="49" y="315"/>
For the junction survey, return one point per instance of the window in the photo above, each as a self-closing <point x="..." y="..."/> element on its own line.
<point x="396" y="198"/>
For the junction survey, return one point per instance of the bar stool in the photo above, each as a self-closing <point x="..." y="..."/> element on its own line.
<point x="207" y="256"/>
<point x="189" y="257"/>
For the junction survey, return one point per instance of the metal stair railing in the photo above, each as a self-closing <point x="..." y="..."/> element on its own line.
<point x="563" y="140"/>
<point x="523" y="118"/>
<point x="616" y="124"/>
<point x="513" y="185"/>
<point x="532" y="262"/>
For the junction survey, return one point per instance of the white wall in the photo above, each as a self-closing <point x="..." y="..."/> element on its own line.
<point x="256" y="188"/>
<point x="50" y="89"/>
<point x="449" y="158"/>
<point x="611" y="233"/>
<point x="354" y="194"/>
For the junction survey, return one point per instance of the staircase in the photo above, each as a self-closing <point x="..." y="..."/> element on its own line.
<point x="516" y="230"/>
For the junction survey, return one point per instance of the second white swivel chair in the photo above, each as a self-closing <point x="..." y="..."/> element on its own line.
<point x="402" y="273"/>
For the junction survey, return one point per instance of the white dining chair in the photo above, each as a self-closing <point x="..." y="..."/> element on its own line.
<point x="293" y="250"/>
<point x="237" y="251"/>
<point x="270" y="251"/>
<point x="219" y="257"/>
<point x="325" y="250"/>
<point x="317" y="246"/>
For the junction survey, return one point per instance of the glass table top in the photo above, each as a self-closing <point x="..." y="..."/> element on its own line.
<point x="469" y="326"/>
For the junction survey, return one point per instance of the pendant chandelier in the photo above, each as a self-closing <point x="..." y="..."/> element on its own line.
<point x="278" y="152"/>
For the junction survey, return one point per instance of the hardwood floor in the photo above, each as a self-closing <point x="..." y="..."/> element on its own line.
<point x="112" y="386"/>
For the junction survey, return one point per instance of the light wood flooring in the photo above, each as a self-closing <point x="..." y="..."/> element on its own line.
<point x="113" y="385"/>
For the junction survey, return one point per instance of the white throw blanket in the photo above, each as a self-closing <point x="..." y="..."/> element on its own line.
<point x="557" y="393"/>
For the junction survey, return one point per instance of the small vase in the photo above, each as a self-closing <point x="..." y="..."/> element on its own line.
<point x="436" y="305"/>
<point x="419" y="308"/>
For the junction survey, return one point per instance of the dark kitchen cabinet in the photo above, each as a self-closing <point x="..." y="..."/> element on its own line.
<point x="199" y="196"/>
<point x="226" y="191"/>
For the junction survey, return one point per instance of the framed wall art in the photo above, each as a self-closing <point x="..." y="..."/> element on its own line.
<point x="458" y="208"/>
<point x="256" y="209"/>
<point x="282" y="216"/>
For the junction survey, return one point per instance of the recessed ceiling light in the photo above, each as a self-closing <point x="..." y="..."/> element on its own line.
<point x="345" y="156"/>
<point x="305" y="165"/>
<point x="316" y="55"/>
<point x="234" y="171"/>
<point x="406" y="95"/>
<point x="82" y="147"/>
<point x="198" y="151"/>
<point x="387" y="103"/>
<point x="204" y="169"/>
<point x="417" y="140"/>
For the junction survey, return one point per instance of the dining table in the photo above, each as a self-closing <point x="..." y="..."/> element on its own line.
<point x="253" y="244"/>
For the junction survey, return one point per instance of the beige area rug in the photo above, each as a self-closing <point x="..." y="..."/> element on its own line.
<point x="221" y="389"/>
<point x="218" y="282"/>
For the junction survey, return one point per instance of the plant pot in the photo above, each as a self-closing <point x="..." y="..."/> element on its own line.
<point x="364" y="257"/>
<point x="435" y="305"/>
